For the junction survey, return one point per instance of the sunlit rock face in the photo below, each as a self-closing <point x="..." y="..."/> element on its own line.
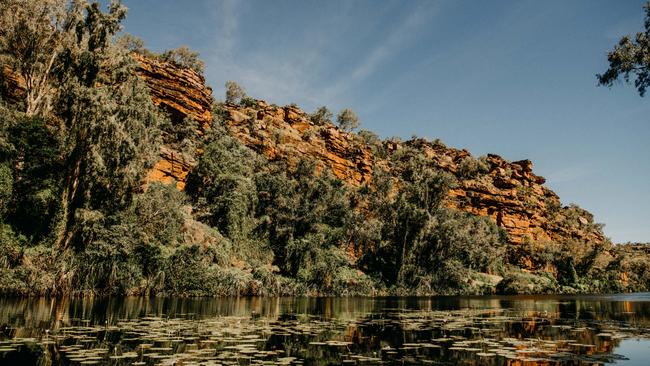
<point x="286" y="133"/>
<point x="510" y="193"/>
<point x="512" y="196"/>
<point x="180" y="93"/>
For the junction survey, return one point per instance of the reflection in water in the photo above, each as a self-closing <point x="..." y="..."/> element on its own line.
<point x="532" y="330"/>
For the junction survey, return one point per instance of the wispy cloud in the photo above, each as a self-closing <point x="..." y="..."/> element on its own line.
<point x="227" y="13"/>
<point x="291" y="72"/>
<point x="263" y="74"/>
<point x="389" y="47"/>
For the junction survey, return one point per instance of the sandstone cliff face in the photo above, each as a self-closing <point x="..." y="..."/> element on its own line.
<point x="181" y="93"/>
<point x="286" y="133"/>
<point x="512" y="196"/>
<point x="276" y="132"/>
<point x="508" y="192"/>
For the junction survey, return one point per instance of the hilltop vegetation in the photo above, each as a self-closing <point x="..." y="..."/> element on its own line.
<point x="79" y="131"/>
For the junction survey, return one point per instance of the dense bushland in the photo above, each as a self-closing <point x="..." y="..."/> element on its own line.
<point x="76" y="218"/>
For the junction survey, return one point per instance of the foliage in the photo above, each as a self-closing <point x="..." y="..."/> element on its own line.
<point x="527" y="283"/>
<point x="449" y="248"/>
<point x="369" y="138"/>
<point x="234" y="92"/>
<point x="75" y="216"/>
<point x="184" y="57"/>
<point x="6" y="188"/>
<point x="34" y="155"/>
<point x="347" y="120"/>
<point x="630" y="59"/>
<point x="35" y="34"/>
<point x="321" y="116"/>
<point x="422" y="245"/>
<point x="301" y="212"/>
<point x="125" y="251"/>
<point x="79" y="80"/>
<point x="470" y="168"/>
<point x="300" y="216"/>
<point x="372" y="141"/>
<point x="132" y="43"/>
<point x="183" y="136"/>
<point x="222" y="184"/>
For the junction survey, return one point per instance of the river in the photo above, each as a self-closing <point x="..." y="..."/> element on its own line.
<point x="504" y="330"/>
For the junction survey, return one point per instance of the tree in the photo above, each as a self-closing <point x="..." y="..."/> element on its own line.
<point x="222" y="184"/>
<point x="404" y="212"/>
<point x="321" y="116"/>
<point x="6" y="189"/>
<point x="84" y="86"/>
<point x="184" y="57"/>
<point x="34" y="34"/>
<point x="234" y="92"/>
<point x="109" y="122"/>
<point x="630" y="59"/>
<point x="347" y="120"/>
<point x="132" y="44"/>
<point x="36" y="173"/>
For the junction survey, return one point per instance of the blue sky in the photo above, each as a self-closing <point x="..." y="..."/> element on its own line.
<point x="516" y="78"/>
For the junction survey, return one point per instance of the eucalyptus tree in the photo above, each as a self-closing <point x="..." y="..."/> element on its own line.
<point x="234" y="92"/>
<point x="404" y="206"/>
<point x="347" y="120"/>
<point x="34" y="34"/>
<point x="83" y="85"/>
<point x="630" y="59"/>
<point x="321" y="116"/>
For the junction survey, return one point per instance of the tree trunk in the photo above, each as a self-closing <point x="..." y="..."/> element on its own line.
<point x="64" y="236"/>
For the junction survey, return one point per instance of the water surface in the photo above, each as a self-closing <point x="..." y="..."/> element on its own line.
<point x="520" y="330"/>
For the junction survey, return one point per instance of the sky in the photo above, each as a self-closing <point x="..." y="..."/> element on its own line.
<point x="515" y="78"/>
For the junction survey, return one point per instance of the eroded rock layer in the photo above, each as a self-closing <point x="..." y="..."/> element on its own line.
<point x="508" y="192"/>
<point x="178" y="91"/>
<point x="286" y="133"/>
<point x="512" y="196"/>
<point x="181" y="93"/>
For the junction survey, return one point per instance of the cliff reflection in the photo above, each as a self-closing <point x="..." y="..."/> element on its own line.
<point x="319" y="331"/>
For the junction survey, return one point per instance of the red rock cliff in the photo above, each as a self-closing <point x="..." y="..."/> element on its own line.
<point x="507" y="192"/>
<point x="180" y="93"/>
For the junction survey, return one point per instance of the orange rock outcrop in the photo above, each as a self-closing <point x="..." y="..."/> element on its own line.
<point x="508" y="192"/>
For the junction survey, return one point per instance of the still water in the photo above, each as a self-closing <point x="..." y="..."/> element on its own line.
<point x="520" y="330"/>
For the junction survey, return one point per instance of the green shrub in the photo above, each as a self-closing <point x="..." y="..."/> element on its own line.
<point x="527" y="283"/>
<point x="347" y="120"/>
<point x="470" y="168"/>
<point x="449" y="248"/>
<point x="321" y="116"/>
<point x="184" y="57"/>
<point x="190" y="271"/>
<point x="6" y="188"/>
<point x="234" y="92"/>
<point x="248" y="102"/>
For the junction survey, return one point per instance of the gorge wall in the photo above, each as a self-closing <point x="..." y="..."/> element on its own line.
<point x="508" y="192"/>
